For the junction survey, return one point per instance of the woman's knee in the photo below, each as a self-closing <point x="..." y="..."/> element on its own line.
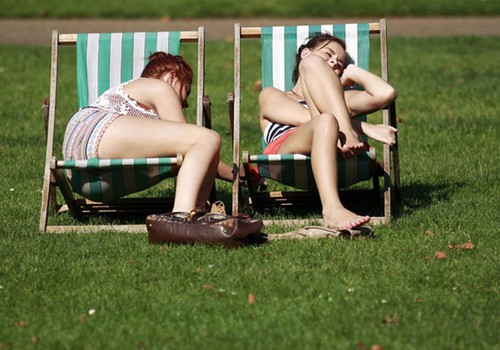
<point x="326" y="122"/>
<point x="310" y="64"/>
<point x="211" y="140"/>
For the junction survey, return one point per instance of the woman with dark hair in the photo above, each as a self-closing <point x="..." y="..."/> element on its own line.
<point x="144" y="118"/>
<point x="314" y="117"/>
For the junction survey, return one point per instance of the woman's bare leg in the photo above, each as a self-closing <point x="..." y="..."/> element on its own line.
<point x="206" y="186"/>
<point x="324" y="94"/>
<point x="318" y="138"/>
<point x="225" y="172"/>
<point x="131" y="137"/>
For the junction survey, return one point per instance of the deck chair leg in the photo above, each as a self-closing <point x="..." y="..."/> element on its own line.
<point x="52" y="201"/>
<point x="44" y="211"/>
<point x="65" y="189"/>
<point x="387" y="186"/>
<point x="230" y="106"/>
<point x="397" y="185"/>
<point x="376" y="183"/>
<point x="236" y="190"/>
<point x="48" y="191"/>
<point x="207" y="112"/>
<point x="252" y="187"/>
<point x="207" y="122"/>
<point x="53" y="205"/>
<point x="395" y="153"/>
<point x="49" y="199"/>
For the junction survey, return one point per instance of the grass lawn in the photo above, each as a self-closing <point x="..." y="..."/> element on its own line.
<point x="405" y="289"/>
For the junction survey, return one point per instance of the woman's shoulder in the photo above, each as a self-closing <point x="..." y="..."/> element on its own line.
<point x="144" y="82"/>
<point x="149" y="86"/>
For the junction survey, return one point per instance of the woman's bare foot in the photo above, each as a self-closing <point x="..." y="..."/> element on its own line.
<point x="343" y="218"/>
<point x="350" y="144"/>
<point x="380" y="132"/>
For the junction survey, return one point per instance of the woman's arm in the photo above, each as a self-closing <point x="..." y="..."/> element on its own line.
<point x="377" y="94"/>
<point x="277" y="107"/>
<point x="158" y="95"/>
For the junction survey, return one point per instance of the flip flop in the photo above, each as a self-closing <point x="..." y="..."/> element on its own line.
<point x="324" y="232"/>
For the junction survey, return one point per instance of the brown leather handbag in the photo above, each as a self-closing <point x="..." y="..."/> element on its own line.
<point x="212" y="228"/>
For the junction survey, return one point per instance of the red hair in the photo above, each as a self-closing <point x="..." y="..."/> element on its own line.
<point x="161" y="63"/>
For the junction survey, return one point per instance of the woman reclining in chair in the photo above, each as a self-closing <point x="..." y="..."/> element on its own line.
<point x="144" y="118"/>
<point x="314" y="118"/>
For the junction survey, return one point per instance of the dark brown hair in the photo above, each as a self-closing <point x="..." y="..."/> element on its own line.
<point x="161" y="63"/>
<point x="313" y="42"/>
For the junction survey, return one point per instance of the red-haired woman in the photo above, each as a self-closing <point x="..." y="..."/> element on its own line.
<point x="144" y="118"/>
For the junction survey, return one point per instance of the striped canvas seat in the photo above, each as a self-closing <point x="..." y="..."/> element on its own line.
<point x="280" y="45"/>
<point x="105" y="180"/>
<point x="108" y="59"/>
<point x="295" y="169"/>
<point x="105" y="60"/>
<point x="279" y="48"/>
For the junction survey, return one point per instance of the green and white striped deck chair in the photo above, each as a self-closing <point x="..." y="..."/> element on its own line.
<point x="105" y="60"/>
<point x="279" y="46"/>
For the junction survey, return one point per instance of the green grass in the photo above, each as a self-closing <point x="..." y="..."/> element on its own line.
<point x="252" y="8"/>
<point x="325" y="294"/>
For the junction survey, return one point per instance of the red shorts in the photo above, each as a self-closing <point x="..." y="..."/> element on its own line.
<point x="274" y="146"/>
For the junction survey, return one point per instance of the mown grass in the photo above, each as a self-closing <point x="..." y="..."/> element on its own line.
<point x="116" y="291"/>
<point x="252" y="8"/>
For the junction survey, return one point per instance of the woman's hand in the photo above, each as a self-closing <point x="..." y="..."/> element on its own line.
<point x="346" y="79"/>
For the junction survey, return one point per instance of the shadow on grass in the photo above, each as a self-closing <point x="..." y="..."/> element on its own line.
<point x="363" y="203"/>
<point x="417" y="196"/>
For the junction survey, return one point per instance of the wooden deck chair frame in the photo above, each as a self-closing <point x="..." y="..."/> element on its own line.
<point x="54" y="173"/>
<point x="388" y="168"/>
